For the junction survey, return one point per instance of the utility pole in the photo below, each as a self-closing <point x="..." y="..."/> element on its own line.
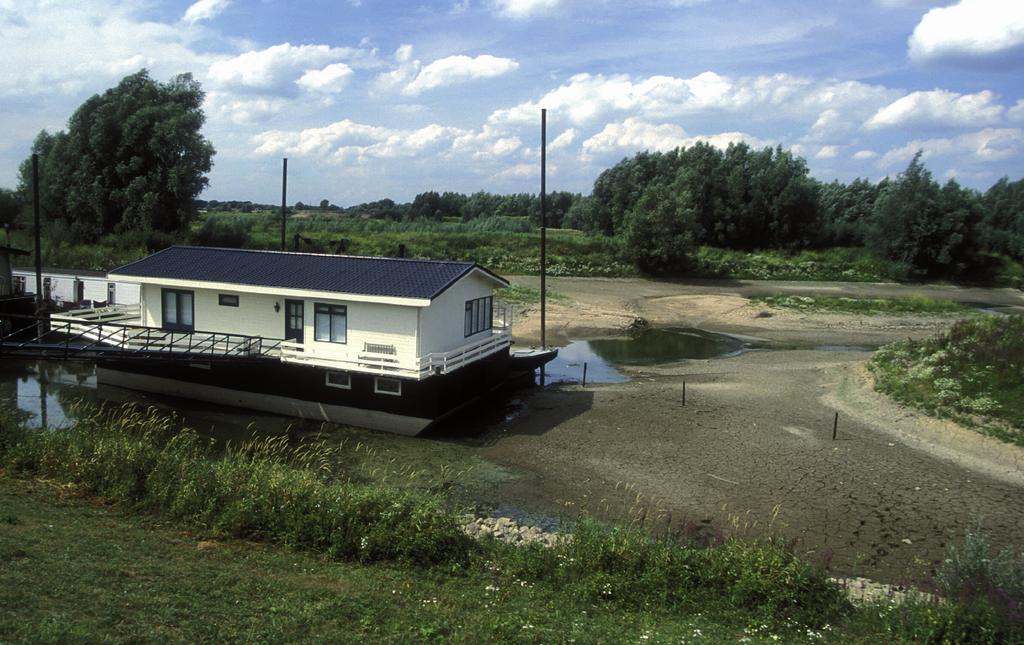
<point x="284" y="197"/>
<point x="543" y="235"/>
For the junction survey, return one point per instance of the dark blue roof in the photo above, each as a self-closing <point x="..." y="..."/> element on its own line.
<point x="391" y="277"/>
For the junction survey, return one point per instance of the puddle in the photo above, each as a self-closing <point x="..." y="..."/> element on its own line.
<point x="652" y="347"/>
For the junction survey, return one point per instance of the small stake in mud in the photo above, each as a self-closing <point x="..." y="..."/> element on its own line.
<point x="684" y="394"/>
<point x="584" y="374"/>
<point x="835" y="426"/>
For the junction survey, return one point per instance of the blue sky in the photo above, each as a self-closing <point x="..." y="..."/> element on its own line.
<point x="373" y="99"/>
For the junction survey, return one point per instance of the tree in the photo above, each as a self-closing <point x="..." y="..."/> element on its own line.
<point x="660" y="231"/>
<point x="927" y="229"/>
<point x="10" y="206"/>
<point x="325" y="204"/>
<point x="133" y="158"/>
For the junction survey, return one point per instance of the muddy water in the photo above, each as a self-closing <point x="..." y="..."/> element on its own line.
<point x="603" y="356"/>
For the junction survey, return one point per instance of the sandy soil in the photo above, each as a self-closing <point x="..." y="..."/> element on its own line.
<point x="752" y="451"/>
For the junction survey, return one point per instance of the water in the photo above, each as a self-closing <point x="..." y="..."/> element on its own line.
<point x="46" y="392"/>
<point x="652" y="347"/>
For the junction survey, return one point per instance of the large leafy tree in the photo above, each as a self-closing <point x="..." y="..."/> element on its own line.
<point x="928" y="229"/>
<point x="133" y="158"/>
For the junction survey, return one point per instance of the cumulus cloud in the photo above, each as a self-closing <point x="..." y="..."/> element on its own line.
<point x="276" y="66"/>
<point x="329" y="80"/>
<point x="633" y="134"/>
<point x="939" y="107"/>
<point x="72" y="48"/>
<point x="346" y="140"/>
<point x="969" y="29"/>
<point x="242" y="110"/>
<point x="521" y="9"/>
<point x="864" y="155"/>
<point x="986" y="146"/>
<point x="827" y="152"/>
<point x="586" y="98"/>
<point x="564" y="140"/>
<point x="1016" y="113"/>
<point x="458" y="69"/>
<point x="204" y="10"/>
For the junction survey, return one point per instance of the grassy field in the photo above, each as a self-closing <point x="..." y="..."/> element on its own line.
<point x="865" y="306"/>
<point x="117" y="529"/>
<point x="972" y="374"/>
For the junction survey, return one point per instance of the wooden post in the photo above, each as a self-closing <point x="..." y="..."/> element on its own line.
<point x="284" y="199"/>
<point x="835" y="426"/>
<point x="584" y="374"/>
<point x="543" y="236"/>
<point x="684" y="394"/>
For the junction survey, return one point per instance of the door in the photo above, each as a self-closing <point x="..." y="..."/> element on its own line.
<point x="293" y="322"/>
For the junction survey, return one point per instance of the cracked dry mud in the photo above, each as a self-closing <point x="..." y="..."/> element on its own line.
<point x="752" y="450"/>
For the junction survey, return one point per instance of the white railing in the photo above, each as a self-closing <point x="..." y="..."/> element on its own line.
<point x="394" y="364"/>
<point x="129" y="314"/>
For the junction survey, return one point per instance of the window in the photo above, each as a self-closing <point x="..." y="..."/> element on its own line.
<point x="330" y="323"/>
<point x="478" y="315"/>
<point x="341" y="380"/>
<point x="111" y="292"/>
<point x="390" y="386"/>
<point x="178" y="309"/>
<point x="19" y="285"/>
<point x="227" y="300"/>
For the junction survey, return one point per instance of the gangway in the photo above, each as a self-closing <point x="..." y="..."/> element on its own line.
<point x="89" y="334"/>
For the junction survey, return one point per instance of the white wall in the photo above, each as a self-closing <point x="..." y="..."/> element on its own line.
<point x="255" y="316"/>
<point x="63" y="286"/>
<point x="443" y="323"/>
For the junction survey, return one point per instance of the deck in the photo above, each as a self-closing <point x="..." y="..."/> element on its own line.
<point x="115" y="332"/>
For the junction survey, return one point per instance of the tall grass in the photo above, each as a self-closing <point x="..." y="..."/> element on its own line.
<point x="972" y="373"/>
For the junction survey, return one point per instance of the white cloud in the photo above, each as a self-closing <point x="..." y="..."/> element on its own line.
<point x="347" y="140"/>
<point x="204" y="10"/>
<point x="458" y="69"/>
<point x="939" y="107"/>
<point x="864" y="155"/>
<point x="1016" y="113"/>
<point x="69" y="49"/>
<point x="521" y="9"/>
<point x="564" y="140"/>
<point x="242" y="110"/>
<point x="633" y="135"/>
<point x="827" y="152"/>
<point x="277" y="66"/>
<point x="969" y="29"/>
<point x="586" y="98"/>
<point x="330" y="79"/>
<point x="986" y="146"/>
<point x="405" y="71"/>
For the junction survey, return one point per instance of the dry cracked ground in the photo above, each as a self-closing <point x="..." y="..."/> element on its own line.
<point x="752" y="452"/>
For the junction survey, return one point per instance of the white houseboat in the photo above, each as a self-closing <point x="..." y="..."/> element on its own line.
<point x="385" y="343"/>
<point x="75" y="287"/>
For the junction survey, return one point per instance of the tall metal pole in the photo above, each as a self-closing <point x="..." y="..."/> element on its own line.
<point x="543" y="234"/>
<point x="39" y="245"/>
<point x="284" y="198"/>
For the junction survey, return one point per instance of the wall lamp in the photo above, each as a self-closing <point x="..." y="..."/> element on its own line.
<point x="277" y="307"/>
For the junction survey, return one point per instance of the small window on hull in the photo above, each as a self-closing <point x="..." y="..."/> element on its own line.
<point x="341" y="380"/>
<point x="390" y="386"/>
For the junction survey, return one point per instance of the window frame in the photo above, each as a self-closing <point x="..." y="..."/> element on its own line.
<point x="224" y="299"/>
<point x="178" y="293"/>
<point x="479" y="315"/>
<point x="330" y="373"/>
<point x="377" y="380"/>
<point x="331" y="311"/>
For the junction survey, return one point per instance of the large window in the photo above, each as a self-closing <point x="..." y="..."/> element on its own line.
<point x="478" y="315"/>
<point x="330" y="323"/>
<point x="178" y="310"/>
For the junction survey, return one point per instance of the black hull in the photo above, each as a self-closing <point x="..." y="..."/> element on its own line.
<point x="302" y="391"/>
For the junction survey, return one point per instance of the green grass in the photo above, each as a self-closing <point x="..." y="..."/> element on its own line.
<point x="865" y="306"/>
<point x="838" y="264"/>
<point x="518" y="294"/>
<point x="115" y="530"/>
<point x="971" y="374"/>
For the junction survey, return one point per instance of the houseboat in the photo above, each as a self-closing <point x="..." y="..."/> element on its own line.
<point x="74" y="288"/>
<point x="384" y="343"/>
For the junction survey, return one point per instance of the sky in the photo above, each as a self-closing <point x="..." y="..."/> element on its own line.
<point x="371" y="99"/>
